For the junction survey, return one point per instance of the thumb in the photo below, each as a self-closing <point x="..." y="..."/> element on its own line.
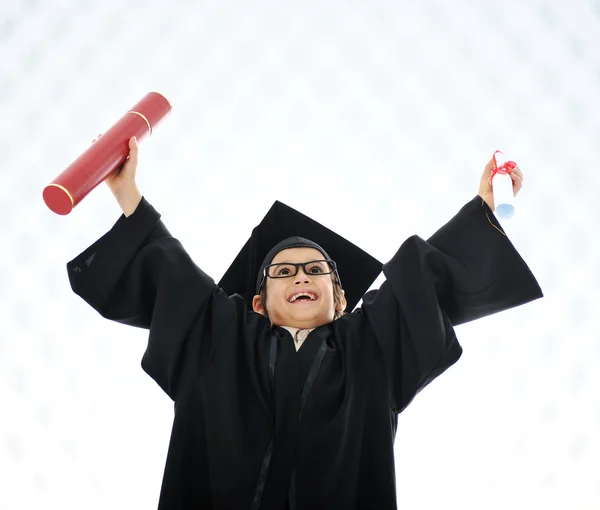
<point x="133" y="150"/>
<point x="487" y="171"/>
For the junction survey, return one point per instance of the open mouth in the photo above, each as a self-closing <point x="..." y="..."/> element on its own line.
<point x="303" y="297"/>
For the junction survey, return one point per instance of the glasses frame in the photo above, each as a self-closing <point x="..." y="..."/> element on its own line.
<point x="299" y="265"/>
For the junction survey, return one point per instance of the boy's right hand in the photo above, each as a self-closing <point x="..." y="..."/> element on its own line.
<point x="123" y="177"/>
<point x="122" y="181"/>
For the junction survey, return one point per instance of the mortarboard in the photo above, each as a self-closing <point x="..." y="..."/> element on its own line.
<point x="356" y="268"/>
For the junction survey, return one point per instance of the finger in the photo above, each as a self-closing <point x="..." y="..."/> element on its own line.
<point x="487" y="170"/>
<point x="517" y="184"/>
<point x="517" y="181"/>
<point x="133" y="150"/>
<point x="516" y="190"/>
<point x="517" y="171"/>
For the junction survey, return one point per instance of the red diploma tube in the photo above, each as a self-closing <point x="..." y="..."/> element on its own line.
<point x="105" y="155"/>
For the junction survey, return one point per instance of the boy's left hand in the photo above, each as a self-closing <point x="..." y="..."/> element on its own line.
<point x="485" y="185"/>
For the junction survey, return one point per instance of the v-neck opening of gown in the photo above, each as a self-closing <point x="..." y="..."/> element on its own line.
<point x="295" y="332"/>
<point x="291" y="385"/>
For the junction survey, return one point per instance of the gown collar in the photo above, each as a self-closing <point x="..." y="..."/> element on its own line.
<point x="299" y="335"/>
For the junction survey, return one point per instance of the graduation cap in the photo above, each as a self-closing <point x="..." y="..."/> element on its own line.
<point x="356" y="269"/>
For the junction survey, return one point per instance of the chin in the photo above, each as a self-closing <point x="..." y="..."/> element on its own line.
<point x="303" y="318"/>
<point x="311" y="321"/>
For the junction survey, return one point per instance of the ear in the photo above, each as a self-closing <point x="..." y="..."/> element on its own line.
<point x="341" y="306"/>
<point x="258" y="306"/>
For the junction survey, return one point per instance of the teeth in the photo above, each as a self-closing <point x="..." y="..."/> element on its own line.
<point x="302" y="294"/>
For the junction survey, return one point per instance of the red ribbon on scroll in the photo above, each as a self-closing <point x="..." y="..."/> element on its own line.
<point x="501" y="166"/>
<point x="106" y="154"/>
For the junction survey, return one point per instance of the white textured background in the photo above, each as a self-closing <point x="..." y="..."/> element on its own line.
<point x="375" y="117"/>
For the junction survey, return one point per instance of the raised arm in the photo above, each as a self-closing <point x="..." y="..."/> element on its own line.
<point x="468" y="269"/>
<point x="140" y="275"/>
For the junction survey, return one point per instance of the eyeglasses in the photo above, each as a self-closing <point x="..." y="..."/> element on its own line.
<point x="289" y="269"/>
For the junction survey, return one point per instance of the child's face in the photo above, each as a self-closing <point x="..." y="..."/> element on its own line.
<point x="301" y="313"/>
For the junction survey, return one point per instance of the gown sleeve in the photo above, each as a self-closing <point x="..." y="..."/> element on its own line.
<point x="467" y="270"/>
<point x="138" y="274"/>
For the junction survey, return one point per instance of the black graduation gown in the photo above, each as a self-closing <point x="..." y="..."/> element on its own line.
<point x="259" y="425"/>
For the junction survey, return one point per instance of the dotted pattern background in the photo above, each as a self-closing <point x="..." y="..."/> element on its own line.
<point x="374" y="117"/>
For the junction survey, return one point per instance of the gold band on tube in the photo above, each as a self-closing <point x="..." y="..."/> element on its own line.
<point x="66" y="191"/>
<point x="143" y="117"/>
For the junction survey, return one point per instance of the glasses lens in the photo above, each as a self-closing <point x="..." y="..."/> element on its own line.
<point x="281" y="270"/>
<point x="319" y="267"/>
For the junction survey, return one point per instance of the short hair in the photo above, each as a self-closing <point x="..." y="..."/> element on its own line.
<point x="337" y="296"/>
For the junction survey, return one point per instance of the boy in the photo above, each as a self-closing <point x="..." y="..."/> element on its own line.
<point x="294" y="404"/>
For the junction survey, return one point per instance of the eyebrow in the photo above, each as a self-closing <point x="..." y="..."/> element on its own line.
<point x="289" y="262"/>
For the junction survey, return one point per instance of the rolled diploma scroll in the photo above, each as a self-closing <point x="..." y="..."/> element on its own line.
<point x="502" y="187"/>
<point x="106" y="154"/>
